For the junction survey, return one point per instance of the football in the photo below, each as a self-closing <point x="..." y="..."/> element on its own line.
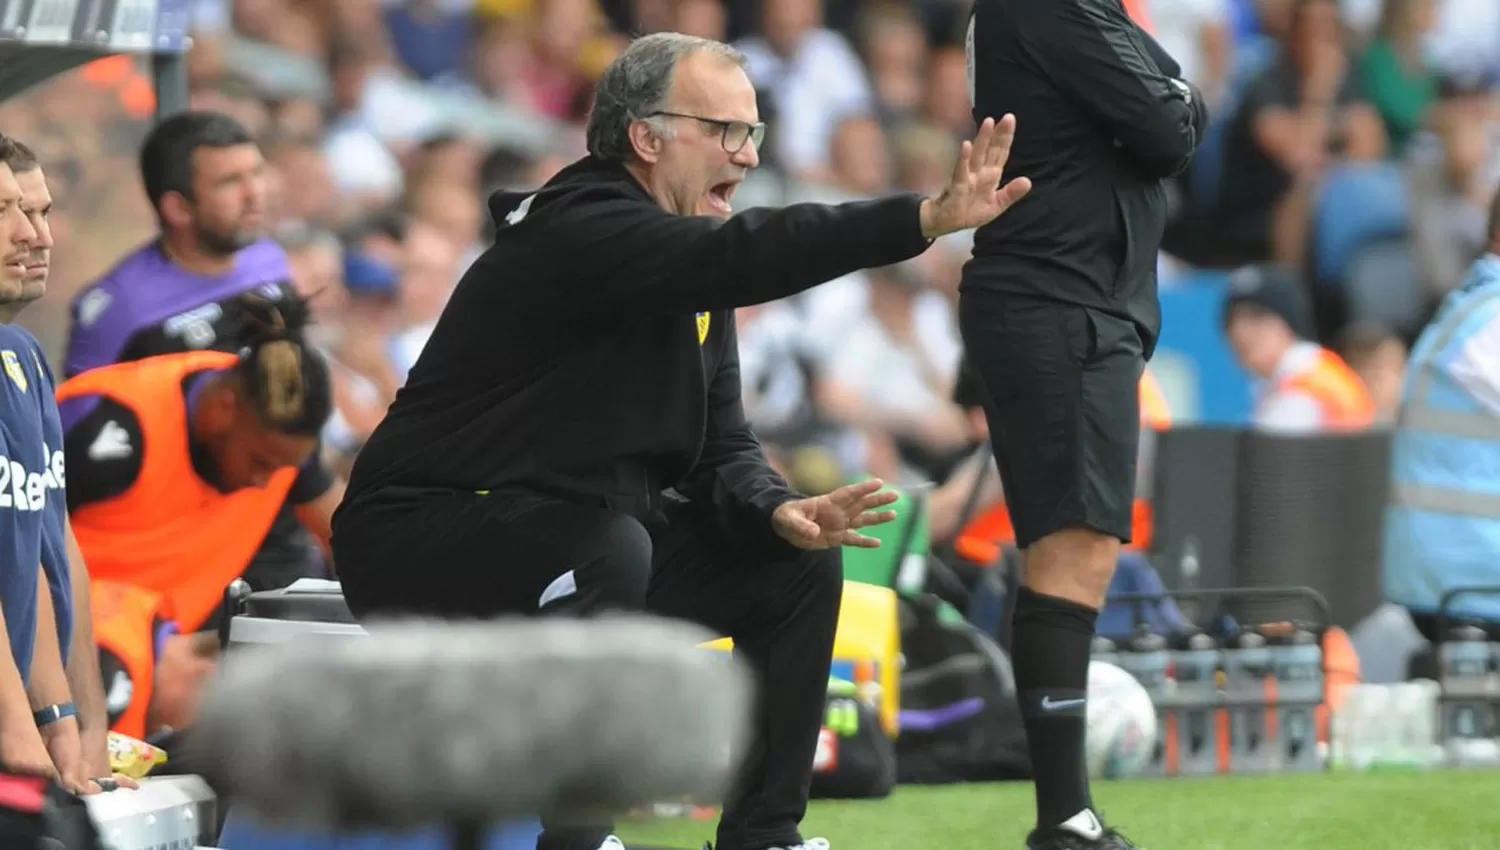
<point x="1121" y="723"/>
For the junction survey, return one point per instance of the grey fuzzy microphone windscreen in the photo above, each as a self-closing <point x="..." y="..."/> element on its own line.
<point x="426" y="722"/>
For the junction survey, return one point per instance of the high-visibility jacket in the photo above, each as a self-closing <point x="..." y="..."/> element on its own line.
<point x="1138" y="12"/>
<point x="1339" y="391"/>
<point x="171" y="532"/>
<point x="126" y="621"/>
<point x="1442" y="527"/>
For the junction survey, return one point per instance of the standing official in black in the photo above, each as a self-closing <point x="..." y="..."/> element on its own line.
<point x="572" y="438"/>
<point x="1059" y="315"/>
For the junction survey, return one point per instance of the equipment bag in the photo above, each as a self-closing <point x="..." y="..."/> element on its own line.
<point x="960" y="720"/>
<point x="855" y="758"/>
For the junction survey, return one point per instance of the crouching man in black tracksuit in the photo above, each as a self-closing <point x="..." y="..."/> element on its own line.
<point x="586" y="365"/>
<point x="1059" y="315"/>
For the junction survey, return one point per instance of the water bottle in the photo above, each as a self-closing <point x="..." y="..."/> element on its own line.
<point x="1188" y="570"/>
<point x="1247" y="667"/>
<point x="1148" y="661"/>
<point x="1390" y="726"/>
<point x="1468" y="691"/>
<point x="1188" y="566"/>
<point x="1103" y="649"/>
<point x="1192" y="708"/>
<point x="1297" y="664"/>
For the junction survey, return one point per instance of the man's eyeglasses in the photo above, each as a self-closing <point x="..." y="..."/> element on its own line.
<point x="732" y="134"/>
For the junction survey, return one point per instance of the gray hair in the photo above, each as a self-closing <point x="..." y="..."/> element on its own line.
<point x="636" y="85"/>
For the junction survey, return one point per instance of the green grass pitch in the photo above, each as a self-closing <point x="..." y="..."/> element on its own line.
<point x="1440" y="810"/>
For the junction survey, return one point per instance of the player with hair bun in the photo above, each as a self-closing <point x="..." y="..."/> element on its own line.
<point x="181" y="462"/>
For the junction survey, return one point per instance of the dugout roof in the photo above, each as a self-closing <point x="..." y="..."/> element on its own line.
<point x="42" y="38"/>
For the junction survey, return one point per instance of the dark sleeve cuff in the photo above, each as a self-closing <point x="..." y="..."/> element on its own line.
<point x="898" y="230"/>
<point x="774" y="546"/>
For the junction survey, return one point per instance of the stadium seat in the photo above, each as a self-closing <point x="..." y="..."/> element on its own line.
<point x="1358" y="204"/>
<point x="1380" y="285"/>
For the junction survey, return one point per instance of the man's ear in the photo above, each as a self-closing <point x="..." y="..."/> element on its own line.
<point x="218" y="407"/>
<point x="176" y="210"/>
<point x="646" y="142"/>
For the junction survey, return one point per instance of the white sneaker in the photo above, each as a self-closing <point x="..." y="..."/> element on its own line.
<point x="809" y="844"/>
<point x="612" y="843"/>
<point x="1084" y="824"/>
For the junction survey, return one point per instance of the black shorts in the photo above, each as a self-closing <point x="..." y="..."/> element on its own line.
<point x="1062" y="397"/>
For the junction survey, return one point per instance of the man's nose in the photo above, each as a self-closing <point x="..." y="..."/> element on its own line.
<point x="25" y="234"/>
<point x="747" y="156"/>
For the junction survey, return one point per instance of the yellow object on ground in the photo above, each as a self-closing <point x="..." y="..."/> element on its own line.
<point x="867" y="647"/>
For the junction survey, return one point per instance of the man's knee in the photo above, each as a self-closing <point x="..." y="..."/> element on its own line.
<point x="613" y="575"/>
<point x="1074" y="563"/>
<point x="813" y="583"/>
<point x="824" y="569"/>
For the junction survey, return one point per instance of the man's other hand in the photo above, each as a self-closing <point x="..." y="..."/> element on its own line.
<point x="974" y="196"/>
<point x="22" y="751"/>
<point x="828" y="521"/>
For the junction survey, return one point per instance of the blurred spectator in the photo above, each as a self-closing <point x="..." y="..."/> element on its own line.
<point x="372" y="318"/>
<point x="500" y="63"/>
<point x="1466" y="40"/>
<point x="1197" y="34"/>
<point x="811" y="80"/>
<point x="860" y="161"/>
<point x="894" y="45"/>
<point x="430" y="37"/>
<point x="429" y="271"/>
<point x="453" y="208"/>
<point x="1452" y="170"/>
<point x="948" y="105"/>
<point x="233" y="96"/>
<point x="1393" y="70"/>
<point x="1379" y="358"/>
<point x="364" y="383"/>
<point x="924" y="158"/>
<point x="447" y="158"/>
<point x="1299" y="117"/>
<point x="703" y="18"/>
<point x="888" y="376"/>
<point x="303" y="184"/>
<point x="1305" y="387"/>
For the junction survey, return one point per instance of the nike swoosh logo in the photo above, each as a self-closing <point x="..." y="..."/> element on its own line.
<point x="1049" y="704"/>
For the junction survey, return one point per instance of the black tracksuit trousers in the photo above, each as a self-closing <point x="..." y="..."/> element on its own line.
<point x="469" y="555"/>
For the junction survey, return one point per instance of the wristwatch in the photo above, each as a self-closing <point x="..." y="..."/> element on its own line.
<point x="53" y="713"/>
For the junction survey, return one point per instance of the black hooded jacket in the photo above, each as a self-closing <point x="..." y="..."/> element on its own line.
<point x="590" y="352"/>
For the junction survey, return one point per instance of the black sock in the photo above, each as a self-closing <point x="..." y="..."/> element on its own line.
<point x="1050" y="652"/>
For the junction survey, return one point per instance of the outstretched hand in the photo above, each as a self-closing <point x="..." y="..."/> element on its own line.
<point x="974" y="196"/>
<point x="832" y="520"/>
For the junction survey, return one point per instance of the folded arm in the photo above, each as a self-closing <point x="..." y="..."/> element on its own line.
<point x="1098" y="57"/>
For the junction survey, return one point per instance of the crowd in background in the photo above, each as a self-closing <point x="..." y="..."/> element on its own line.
<point x="378" y="197"/>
